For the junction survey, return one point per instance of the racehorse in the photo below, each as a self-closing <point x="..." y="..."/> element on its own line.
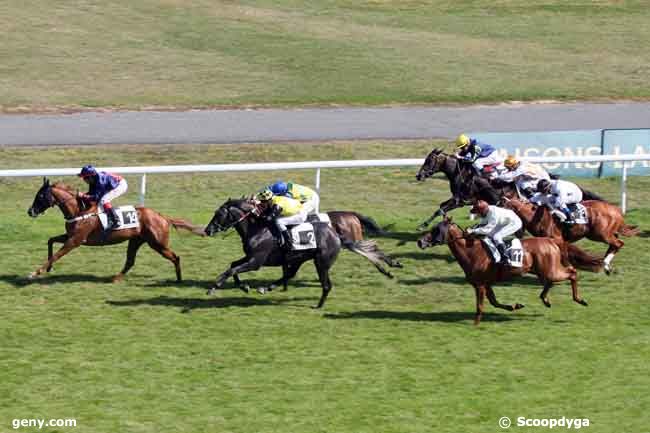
<point x="605" y="224"/>
<point x="83" y="227"/>
<point x="466" y="186"/>
<point x="262" y="249"/>
<point x="351" y="226"/>
<point x="543" y="257"/>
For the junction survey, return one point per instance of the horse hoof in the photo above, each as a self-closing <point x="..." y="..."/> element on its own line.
<point x="31" y="275"/>
<point x="398" y="264"/>
<point x="518" y="306"/>
<point x="547" y="304"/>
<point x="211" y="291"/>
<point x="261" y="290"/>
<point x="582" y="302"/>
<point x="117" y="278"/>
<point x="245" y="288"/>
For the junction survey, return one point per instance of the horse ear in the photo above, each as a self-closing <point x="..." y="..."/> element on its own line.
<point x="46" y="181"/>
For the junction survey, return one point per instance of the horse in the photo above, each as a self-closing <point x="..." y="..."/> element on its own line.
<point x="351" y="226"/>
<point x="83" y="227"/>
<point x="466" y="186"/>
<point x="606" y="223"/>
<point x="544" y="257"/>
<point x="261" y="248"/>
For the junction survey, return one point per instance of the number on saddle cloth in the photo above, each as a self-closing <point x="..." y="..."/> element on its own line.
<point x="303" y="237"/>
<point x="127" y="218"/>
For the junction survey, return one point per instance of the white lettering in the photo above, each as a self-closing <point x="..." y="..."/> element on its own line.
<point x="551" y="152"/>
<point x="592" y="151"/>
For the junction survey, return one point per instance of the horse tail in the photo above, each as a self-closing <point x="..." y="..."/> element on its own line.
<point x="369" y="224"/>
<point x="589" y="195"/>
<point x="628" y="230"/>
<point x="370" y="251"/>
<point x="583" y="260"/>
<point x="179" y="223"/>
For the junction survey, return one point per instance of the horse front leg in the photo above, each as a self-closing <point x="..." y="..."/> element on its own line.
<point x="245" y="264"/>
<point x="50" y="246"/>
<point x="445" y="207"/>
<point x="68" y="245"/>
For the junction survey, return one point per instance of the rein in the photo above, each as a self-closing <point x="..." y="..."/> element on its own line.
<point x="59" y="202"/>
<point x="242" y="218"/>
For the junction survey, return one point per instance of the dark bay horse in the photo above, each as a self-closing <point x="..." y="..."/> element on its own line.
<point x="606" y="223"/>
<point x="262" y="249"/>
<point x="543" y="257"/>
<point x="466" y="187"/>
<point x="83" y="227"/>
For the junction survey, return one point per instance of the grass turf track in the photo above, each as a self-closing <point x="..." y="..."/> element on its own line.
<point x="170" y="53"/>
<point x="151" y="355"/>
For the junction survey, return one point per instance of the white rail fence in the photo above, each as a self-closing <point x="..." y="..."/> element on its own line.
<point x="626" y="160"/>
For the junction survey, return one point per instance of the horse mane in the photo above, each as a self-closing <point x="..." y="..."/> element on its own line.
<point x="59" y="184"/>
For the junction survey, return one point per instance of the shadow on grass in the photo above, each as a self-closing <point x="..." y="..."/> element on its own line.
<point x="461" y="281"/>
<point x="189" y="304"/>
<point x="44" y="280"/>
<point x="442" y="316"/>
<point x="422" y="255"/>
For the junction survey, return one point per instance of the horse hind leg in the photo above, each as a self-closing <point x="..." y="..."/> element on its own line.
<point x="574" y="288"/>
<point x="544" y="294"/>
<point x="167" y="253"/>
<point x="132" y="250"/>
<point x="50" y="246"/>
<point x="615" y="244"/>
<point x="323" y="267"/>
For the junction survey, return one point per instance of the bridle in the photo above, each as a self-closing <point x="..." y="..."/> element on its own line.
<point x="234" y="223"/>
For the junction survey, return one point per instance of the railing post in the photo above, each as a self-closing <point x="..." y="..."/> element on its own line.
<point x="624" y="189"/>
<point x="143" y="188"/>
<point x="318" y="186"/>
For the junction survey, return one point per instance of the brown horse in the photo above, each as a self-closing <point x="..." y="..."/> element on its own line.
<point x="83" y="227"/>
<point x="605" y="224"/>
<point x="543" y="257"/>
<point x="352" y="225"/>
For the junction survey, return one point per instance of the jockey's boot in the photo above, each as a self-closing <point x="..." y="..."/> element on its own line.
<point x="502" y="252"/>
<point x="285" y="240"/>
<point x="113" y="220"/>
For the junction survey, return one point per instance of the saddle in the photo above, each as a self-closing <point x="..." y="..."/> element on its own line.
<point x="514" y="252"/>
<point x="127" y="217"/>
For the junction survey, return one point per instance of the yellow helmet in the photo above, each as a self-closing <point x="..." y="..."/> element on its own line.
<point x="265" y="195"/>
<point x="462" y="141"/>
<point x="511" y="161"/>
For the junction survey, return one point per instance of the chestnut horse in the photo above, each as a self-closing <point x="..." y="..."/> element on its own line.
<point x="82" y="227"/>
<point x="605" y="224"/>
<point x="351" y="226"/>
<point x="543" y="257"/>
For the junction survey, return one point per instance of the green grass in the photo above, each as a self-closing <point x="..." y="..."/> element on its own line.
<point x="151" y="355"/>
<point x="169" y="53"/>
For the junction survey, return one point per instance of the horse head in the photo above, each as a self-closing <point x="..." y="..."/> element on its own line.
<point x="433" y="163"/>
<point x="437" y="236"/>
<point x="229" y="214"/>
<point x="43" y="200"/>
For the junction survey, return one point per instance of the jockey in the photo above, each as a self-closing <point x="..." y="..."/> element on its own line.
<point x="307" y="196"/>
<point x="497" y="223"/>
<point x="104" y="187"/>
<point x="557" y="195"/>
<point x="285" y="211"/>
<point x="484" y="158"/>
<point x="524" y="174"/>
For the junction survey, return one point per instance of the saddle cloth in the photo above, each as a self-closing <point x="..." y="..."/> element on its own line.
<point x="514" y="252"/>
<point x="579" y="213"/>
<point x="127" y="216"/>
<point x="303" y="237"/>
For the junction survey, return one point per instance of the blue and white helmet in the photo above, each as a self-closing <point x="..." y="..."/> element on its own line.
<point x="279" y="188"/>
<point x="88" y="171"/>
